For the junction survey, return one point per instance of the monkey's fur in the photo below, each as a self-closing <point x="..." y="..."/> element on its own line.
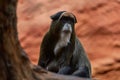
<point x="61" y="51"/>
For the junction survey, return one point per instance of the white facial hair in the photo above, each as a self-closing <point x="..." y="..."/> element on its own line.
<point x="64" y="37"/>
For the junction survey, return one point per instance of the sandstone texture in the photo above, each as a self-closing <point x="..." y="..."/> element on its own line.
<point x="98" y="29"/>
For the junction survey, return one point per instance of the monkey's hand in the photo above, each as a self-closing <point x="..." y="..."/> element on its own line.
<point x="66" y="70"/>
<point x="53" y="68"/>
<point x="43" y="62"/>
<point x="62" y="62"/>
<point x="83" y="71"/>
<point x="64" y="59"/>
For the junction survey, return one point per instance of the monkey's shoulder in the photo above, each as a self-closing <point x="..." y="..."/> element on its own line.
<point x="48" y="43"/>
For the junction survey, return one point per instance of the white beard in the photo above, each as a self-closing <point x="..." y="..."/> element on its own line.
<point x="64" y="37"/>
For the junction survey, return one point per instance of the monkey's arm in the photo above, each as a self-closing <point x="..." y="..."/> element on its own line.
<point x="45" y="53"/>
<point x="81" y="60"/>
<point x="43" y="60"/>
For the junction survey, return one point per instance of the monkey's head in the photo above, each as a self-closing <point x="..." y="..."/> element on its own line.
<point x="63" y="23"/>
<point x="62" y="29"/>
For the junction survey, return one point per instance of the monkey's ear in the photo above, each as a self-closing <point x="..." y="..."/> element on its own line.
<point x="57" y="15"/>
<point x="75" y="20"/>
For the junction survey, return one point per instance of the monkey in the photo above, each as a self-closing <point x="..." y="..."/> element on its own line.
<point x="61" y="51"/>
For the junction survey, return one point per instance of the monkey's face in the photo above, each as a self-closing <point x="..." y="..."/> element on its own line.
<point x="67" y="27"/>
<point x="63" y="29"/>
<point x="63" y="23"/>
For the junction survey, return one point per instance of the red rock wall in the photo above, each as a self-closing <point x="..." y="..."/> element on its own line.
<point x="98" y="28"/>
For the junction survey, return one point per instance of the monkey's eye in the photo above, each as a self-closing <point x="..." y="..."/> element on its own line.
<point x="67" y="19"/>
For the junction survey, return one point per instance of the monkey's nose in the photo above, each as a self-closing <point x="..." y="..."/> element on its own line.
<point x="67" y="28"/>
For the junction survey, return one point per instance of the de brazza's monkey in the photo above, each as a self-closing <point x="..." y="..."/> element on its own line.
<point x="61" y="51"/>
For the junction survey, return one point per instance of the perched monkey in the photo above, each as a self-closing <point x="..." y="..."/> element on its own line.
<point x="61" y="51"/>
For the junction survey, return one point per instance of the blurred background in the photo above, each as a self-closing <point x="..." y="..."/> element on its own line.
<point x="98" y="29"/>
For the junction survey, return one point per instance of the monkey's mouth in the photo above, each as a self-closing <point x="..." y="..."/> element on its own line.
<point x="66" y="31"/>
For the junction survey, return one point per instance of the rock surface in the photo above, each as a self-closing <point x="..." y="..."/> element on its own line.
<point x="98" y="28"/>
